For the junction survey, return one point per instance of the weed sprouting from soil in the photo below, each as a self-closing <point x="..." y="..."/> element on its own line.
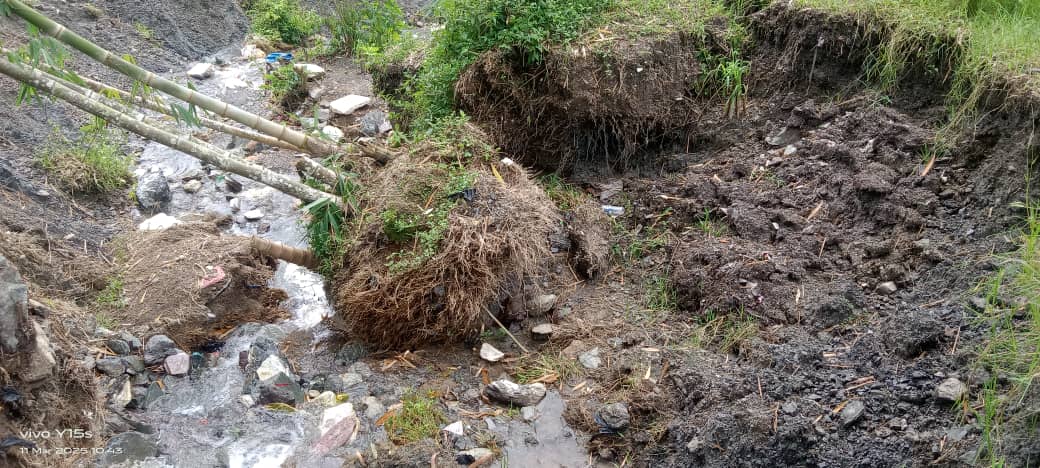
<point x="725" y="78"/>
<point x="710" y="226"/>
<point x="93" y="163"/>
<point x="285" y="85"/>
<point x="661" y="298"/>
<point x="282" y="20"/>
<point x="112" y="295"/>
<point x="1013" y="345"/>
<point x="419" y="417"/>
<point x="366" y="26"/>
<point x="564" y="195"/>
<point x="726" y="332"/>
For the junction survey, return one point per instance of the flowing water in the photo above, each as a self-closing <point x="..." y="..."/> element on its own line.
<point x="201" y="422"/>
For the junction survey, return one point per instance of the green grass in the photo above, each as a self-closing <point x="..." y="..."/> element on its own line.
<point x="980" y="44"/>
<point x="565" y="196"/>
<point x="710" y="226"/>
<point x="102" y="319"/>
<point x="282" y="20"/>
<point x="144" y="31"/>
<point x="725" y="332"/>
<point x="660" y="298"/>
<point x="329" y="232"/>
<point x="283" y="83"/>
<point x="92" y="163"/>
<point x="365" y="26"/>
<point x="112" y="295"/>
<point x="1012" y="346"/>
<point x="639" y="18"/>
<point x="420" y="417"/>
<point x="633" y="245"/>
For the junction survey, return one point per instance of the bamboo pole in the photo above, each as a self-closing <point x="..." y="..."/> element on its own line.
<point x="221" y="159"/>
<point x="301" y="257"/>
<point x="307" y="143"/>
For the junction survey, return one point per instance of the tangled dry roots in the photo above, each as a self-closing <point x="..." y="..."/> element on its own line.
<point x="491" y="245"/>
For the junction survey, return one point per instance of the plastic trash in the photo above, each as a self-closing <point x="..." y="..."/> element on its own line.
<point x="279" y="57"/>
<point x="613" y="211"/>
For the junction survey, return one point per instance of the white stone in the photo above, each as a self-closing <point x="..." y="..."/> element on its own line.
<point x="590" y="359"/>
<point x="541" y="304"/>
<point x="251" y="51"/>
<point x="178" y="364"/>
<point x="246" y="400"/>
<point x="490" y="353"/>
<point x="201" y="71"/>
<point x="351" y="379"/>
<point x="348" y="104"/>
<point x="333" y="133"/>
<point x="192" y="186"/>
<point x="235" y="204"/>
<point x="41" y="360"/>
<point x="529" y="413"/>
<point x="455" y="428"/>
<point x="271" y="367"/>
<point x="374" y="409"/>
<point x="124" y="396"/>
<point x="333" y="416"/>
<point x="790" y="149"/>
<point x="309" y="71"/>
<point x="326" y="399"/>
<point x="159" y="222"/>
<point x="253" y="215"/>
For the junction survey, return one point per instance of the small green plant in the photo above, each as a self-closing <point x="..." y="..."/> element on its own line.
<point x="102" y="319"/>
<point x="368" y="25"/>
<point x="112" y="295"/>
<point x="284" y="84"/>
<point x="711" y="226"/>
<point x="724" y="331"/>
<point x="328" y="231"/>
<point x="725" y="77"/>
<point x="144" y="31"/>
<point x="660" y="296"/>
<point x="282" y="20"/>
<point x="565" y="196"/>
<point x="93" y="163"/>
<point x="420" y="417"/>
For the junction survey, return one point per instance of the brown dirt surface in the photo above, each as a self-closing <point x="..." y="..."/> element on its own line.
<point x="193" y="284"/>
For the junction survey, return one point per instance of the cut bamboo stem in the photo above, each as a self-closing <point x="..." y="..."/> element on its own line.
<point x="301" y="257"/>
<point x="221" y="159"/>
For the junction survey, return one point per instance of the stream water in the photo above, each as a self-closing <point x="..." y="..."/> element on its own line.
<point x="201" y="422"/>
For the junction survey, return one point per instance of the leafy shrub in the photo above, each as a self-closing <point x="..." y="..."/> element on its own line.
<point x="365" y="24"/>
<point x="93" y="163"/>
<point x="283" y="20"/>
<point x="284" y="84"/>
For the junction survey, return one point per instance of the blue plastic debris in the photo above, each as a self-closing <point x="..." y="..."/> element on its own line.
<point x="275" y="57"/>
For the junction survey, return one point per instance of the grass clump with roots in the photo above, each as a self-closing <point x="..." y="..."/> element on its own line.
<point x="92" y="163"/>
<point x="419" y="417"/>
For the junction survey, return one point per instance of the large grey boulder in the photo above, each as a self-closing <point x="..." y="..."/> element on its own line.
<point x="505" y="391"/>
<point x="153" y="192"/>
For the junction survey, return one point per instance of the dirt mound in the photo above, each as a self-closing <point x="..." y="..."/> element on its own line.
<point x="398" y="291"/>
<point x="193" y="284"/>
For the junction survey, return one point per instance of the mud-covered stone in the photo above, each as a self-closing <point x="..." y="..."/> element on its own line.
<point x="111" y="366"/>
<point x="153" y="192"/>
<point x="505" y="391"/>
<point x="280" y="389"/>
<point x="614" y="416"/>
<point x="15" y="327"/>
<point x="158" y="348"/>
<point x="950" y="390"/>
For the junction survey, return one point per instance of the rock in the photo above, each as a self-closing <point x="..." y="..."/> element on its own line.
<point x="134" y="364"/>
<point x="348" y="104"/>
<point x="309" y="123"/>
<point x="158" y="348"/>
<point x="127" y="448"/>
<point x="247" y="400"/>
<point x="15" y="328"/>
<point x="309" y="71"/>
<point x="333" y="133"/>
<point x="573" y="349"/>
<point x="950" y="390"/>
<point x="122" y="397"/>
<point x="898" y="424"/>
<point x="373" y="408"/>
<point x="131" y="340"/>
<point x="119" y="347"/>
<point x="253" y="215"/>
<point x="529" y="413"/>
<point x="542" y="331"/>
<point x="232" y="185"/>
<point x="337" y="426"/>
<point x="542" y="304"/>
<point x="852" y="412"/>
<point x="159" y="222"/>
<point x="153" y="192"/>
<point x="38" y="363"/>
<point x="192" y="186"/>
<point x="789" y="407"/>
<point x="201" y="71"/>
<point x="235" y="204"/>
<point x="144" y="397"/>
<point x="886" y="288"/>
<point x="373" y="123"/>
<point x="350" y="353"/>
<point x="351" y="379"/>
<point x="786" y="137"/>
<point x="312" y="394"/>
<point x="280" y="389"/>
<point x="111" y="366"/>
<point x="271" y="367"/>
<point x="326" y="399"/>
<point x="477" y="456"/>
<point x="456" y="428"/>
<point x="978" y="304"/>
<point x="614" y="416"/>
<point x="509" y="392"/>
<point x="490" y="353"/>
<point x="590" y="359"/>
<point x="178" y="364"/>
<point x="790" y="150"/>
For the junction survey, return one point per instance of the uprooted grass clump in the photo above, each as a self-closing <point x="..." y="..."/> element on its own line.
<point x="92" y="163"/>
<point x="419" y="417"/>
<point x="452" y="230"/>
